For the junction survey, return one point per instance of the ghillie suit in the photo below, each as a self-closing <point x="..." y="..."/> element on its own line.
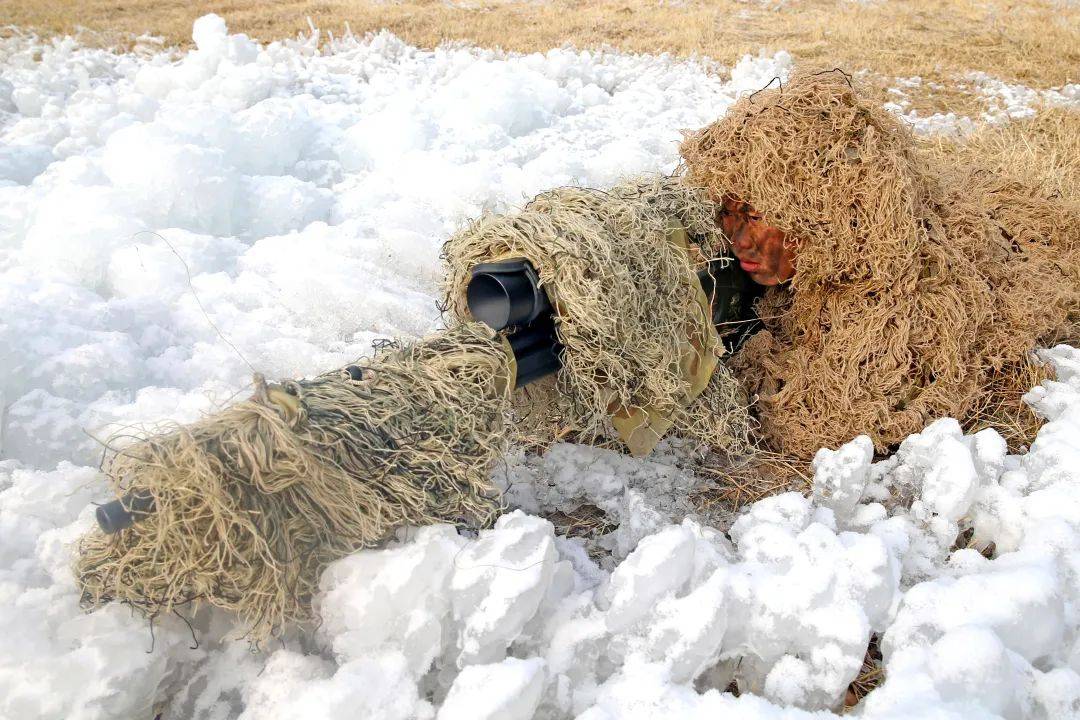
<point x="243" y="509"/>
<point x="618" y="265"/>
<point x="919" y="290"/>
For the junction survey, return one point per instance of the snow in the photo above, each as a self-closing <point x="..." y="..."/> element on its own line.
<point x="509" y="690"/>
<point x="1003" y="102"/>
<point x="168" y="222"/>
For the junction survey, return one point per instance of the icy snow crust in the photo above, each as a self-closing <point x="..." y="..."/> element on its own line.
<point x="307" y="194"/>
<point x="1004" y="102"/>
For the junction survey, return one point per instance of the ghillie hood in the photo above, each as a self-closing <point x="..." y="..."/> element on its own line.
<point x="919" y="291"/>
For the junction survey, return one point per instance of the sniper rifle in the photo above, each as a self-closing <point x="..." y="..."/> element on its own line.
<point x="508" y="297"/>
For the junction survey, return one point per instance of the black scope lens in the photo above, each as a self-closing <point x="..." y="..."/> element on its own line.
<point x="112" y="517"/>
<point x="505" y="294"/>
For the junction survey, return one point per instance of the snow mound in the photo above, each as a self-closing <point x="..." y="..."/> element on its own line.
<point x="167" y="219"/>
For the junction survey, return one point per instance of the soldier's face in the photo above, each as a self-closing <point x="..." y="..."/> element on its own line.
<point x="758" y="246"/>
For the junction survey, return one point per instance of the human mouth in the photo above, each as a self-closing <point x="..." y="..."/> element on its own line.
<point x="749" y="266"/>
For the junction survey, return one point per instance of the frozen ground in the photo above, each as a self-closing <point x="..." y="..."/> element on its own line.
<point x="307" y="194"/>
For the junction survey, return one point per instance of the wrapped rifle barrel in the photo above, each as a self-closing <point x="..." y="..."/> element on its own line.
<point x="244" y="508"/>
<point x="605" y="290"/>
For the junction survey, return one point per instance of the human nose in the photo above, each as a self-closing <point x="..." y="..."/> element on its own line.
<point x="740" y="238"/>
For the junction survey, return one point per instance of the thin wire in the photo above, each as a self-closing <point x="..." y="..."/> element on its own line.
<point x="191" y="286"/>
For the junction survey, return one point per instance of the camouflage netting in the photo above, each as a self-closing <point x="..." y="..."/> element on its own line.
<point x="920" y="290"/>
<point x="624" y="297"/>
<point x="252" y="503"/>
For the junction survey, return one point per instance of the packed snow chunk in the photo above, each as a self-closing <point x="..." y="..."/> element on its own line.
<point x="840" y="476"/>
<point x="576" y="650"/>
<point x="676" y="619"/>
<point x="940" y="475"/>
<point x="6" y="91"/>
<point x="909" y="691"/>
<point x="32" y="502"/>
<point x="641" y="496"/>
<point x="200" y="125"/>
<point x="497" y="96"/>
<point x="28" y="101"/>
<point x="272" y="136"/>
<point x="212" y="39"/>
<point x="382" y="138"/>
<point x="60" y="662"/>
<point x="660" y="565"/>
<point x="322" y="285"/>
<point x="1019" y="598"/>
<point x="1055" y="454"/>
<point x="687" y="632"/>
<point x="642" y="691"/>
<point x="970" y="673"/>
<point x="20" y="164"/>
<point x="972" y="663"/>
<point x="73" y="232"/>
<point x="209" y="32"/>
<point x="40" y="427"/>
<point x="989" y="451"/>
<point x="949" y="480"/>
<point x="617" y="159"/>
<point x="278" y="205"/>
<point x="575" y="473"/>
<point x="1053" y="398"/>
<point x="789" y="511"/>
<point x="393" y="598"/>
<point x="998" y="517"/>
<point x="297" y="686"/>
<point x="509" y="690"/>
<point x="216" y="689"/>
<point x="751" y="74"/>
<point x="498" y="584"/>
<point x="160" y="265"/>
<point x="802" y="604"/>
<point x="1066" y="363"/>
<point x="172" y="183"/>
<point x="1057" y="693"/>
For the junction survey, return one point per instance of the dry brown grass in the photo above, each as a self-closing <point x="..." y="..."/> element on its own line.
<point x="1037" y="42"/>
<point x="1043" y="151"/>
<point x="870" y="676"/>
<point x="999" y="409"/>
<point x="586" y="520"/>
<point x="737" y="482"/>
<point x="925" y="99"/>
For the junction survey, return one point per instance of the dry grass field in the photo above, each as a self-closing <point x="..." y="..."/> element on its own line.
<point x="1034" y="42"/>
